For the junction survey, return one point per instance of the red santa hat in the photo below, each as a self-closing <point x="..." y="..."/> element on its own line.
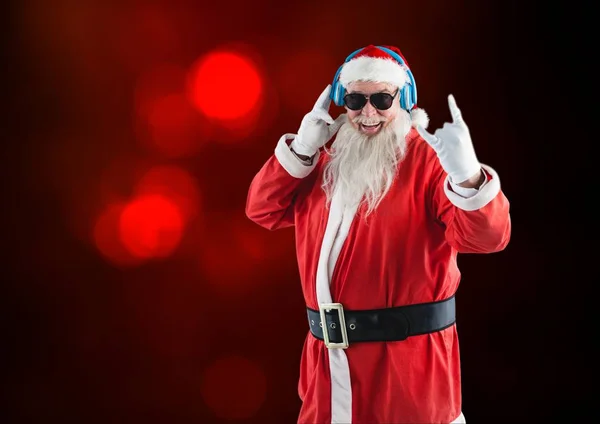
<point x="376" y="65"/>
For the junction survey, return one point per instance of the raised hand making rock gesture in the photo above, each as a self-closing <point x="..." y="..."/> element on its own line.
<point x="454" y="147"/>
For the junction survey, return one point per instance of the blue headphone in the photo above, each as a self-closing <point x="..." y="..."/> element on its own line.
<point x="407" y="94"/>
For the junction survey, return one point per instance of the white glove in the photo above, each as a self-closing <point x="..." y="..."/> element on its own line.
<point x="453" y="146"/>
<point x="317" y="127"/>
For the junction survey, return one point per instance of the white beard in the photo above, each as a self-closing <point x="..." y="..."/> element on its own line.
<point x="363" y="167"/>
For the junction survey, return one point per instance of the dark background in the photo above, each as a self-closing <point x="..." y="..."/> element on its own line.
<point x="175" y="340"/>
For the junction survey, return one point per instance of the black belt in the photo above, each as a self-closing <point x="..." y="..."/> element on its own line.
<point x="380" y="325"/>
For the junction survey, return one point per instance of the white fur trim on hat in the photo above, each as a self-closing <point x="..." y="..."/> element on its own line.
<point x="419" y="117"/>
<point x="375" y="70"/>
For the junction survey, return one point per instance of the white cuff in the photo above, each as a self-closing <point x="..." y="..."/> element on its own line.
<point x="478" y="200"/>
<point x="467" y="192"/>
<point x="289" y="161"/>
<point x="299" y="148"/>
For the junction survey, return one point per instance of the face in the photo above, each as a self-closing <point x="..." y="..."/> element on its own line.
<point x="370" y="120"/>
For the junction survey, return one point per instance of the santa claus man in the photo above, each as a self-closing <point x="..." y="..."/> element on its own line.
<point x="380" y="216"/>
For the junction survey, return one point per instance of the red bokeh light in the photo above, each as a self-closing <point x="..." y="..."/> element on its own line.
<point x="166" y="120"/>
<point x="173" y="126"/>
<point x="174" y="183"/>
<point x="151" y="226"/>
<point x="225" y="85"/>
<point x="234" y="388"/>
<point x="107" y="238"/>
<point x="118" y="176"/>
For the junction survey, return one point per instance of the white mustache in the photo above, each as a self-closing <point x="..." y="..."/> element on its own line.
<point x="368" y="121"/>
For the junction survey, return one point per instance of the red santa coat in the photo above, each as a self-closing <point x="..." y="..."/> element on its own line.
<point x="405" y="253"/>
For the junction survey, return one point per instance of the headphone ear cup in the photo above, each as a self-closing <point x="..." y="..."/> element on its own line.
<point x="341" y="94"/>
<point x="337" y="93"/>
<point x="403" y="97"/>
<point x="409" y="97"/>
<point x="413" y="96"/>
<point x="411" y="92"/>
<point x="334" y="92"/>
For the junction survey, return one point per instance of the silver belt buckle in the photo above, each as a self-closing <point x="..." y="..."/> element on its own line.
<point x="329" y="307"/>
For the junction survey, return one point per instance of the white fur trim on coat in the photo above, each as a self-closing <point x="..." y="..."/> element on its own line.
<point x="375" y="70"/>
<point x="485" y="195"/>
<point x="336" y="232"/>
<point x="289" y="161"/>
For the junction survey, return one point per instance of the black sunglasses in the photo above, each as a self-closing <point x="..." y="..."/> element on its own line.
<point x="381" y="101"/>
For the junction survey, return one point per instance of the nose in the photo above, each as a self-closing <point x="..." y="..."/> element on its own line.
<point x="368" y="110"/>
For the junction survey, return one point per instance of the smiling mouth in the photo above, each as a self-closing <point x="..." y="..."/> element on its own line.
<point x="370" y="128"/>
